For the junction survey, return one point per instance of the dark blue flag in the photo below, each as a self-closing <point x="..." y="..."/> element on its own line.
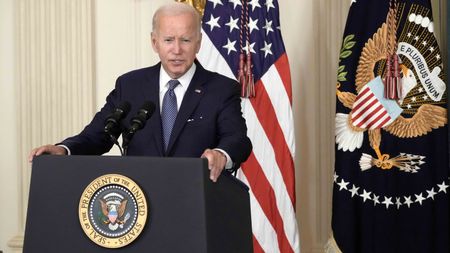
<point x="391" y="181"/>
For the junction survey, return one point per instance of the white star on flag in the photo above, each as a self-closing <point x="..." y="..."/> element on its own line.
<point x="354" y="190"/>
<point x="230" y="46"/>
<point x="408" y="201"/>
<point x="251" y="46"/>
<point x="215" y="2"/>
<point x="375" y="199"/>
<point x="253" y="24"/>
<point x="269" y="4"/>
<point x="387" y="201"/>
<point x="342" y="185"/>
<point x="235" y="3"/>
<point x="266" y="49"/>
<point x="431" y="193"/>
<point x="213" y="22"/>
<point x="443" y="187"/>
<point x="366" y="196"/>
<point x="398" y="202"/>
<point x="419" y="198"/>
<point x="268" y="27"/>
<point x="254" y="4"/>
<point x="232" y="24"/>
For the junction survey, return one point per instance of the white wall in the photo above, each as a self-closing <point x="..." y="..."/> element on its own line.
<point x="9" y="174"/>
<point x="122" y="42"/>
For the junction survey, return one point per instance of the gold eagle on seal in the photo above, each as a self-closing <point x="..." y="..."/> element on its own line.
<point x="425" y="116"/>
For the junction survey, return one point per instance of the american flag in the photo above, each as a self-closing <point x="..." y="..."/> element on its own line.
<point x="269" y="171"/>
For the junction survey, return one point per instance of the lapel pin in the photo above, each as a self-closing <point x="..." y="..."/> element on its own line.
<point x="198" y="91"/>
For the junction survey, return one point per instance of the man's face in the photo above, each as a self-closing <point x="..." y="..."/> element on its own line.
<point x="177" y="41"/>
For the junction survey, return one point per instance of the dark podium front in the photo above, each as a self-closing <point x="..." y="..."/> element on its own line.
<point x="187" y="211"/>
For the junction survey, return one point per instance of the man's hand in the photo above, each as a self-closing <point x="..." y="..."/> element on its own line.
<point x="216" y="163"/>
<point x="46" y="149"/>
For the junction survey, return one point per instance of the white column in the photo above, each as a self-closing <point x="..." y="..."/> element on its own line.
<point x="54" y="79"/>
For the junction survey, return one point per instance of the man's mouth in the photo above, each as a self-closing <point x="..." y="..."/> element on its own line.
<point x="177" y="61"/>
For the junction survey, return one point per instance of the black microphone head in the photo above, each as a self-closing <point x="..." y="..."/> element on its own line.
<point x="120" y="112"/>
<point x="124" y="107"/>
<point x="144" y="113"/>
<point x="148" y="108"/>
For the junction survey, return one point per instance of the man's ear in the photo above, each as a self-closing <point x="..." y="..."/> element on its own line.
<point x="199" y="43"/>
<point x="153" y="41"/>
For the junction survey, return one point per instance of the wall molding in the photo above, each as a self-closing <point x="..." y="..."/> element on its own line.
<point x="16" y="243"/>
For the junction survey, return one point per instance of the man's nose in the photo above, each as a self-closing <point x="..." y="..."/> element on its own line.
<point x="177" y="47"/>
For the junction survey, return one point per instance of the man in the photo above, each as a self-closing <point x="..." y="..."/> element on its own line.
<point x="209" y="121"/>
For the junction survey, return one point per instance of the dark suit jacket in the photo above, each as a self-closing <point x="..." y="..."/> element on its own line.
<point x="209" y="117"/>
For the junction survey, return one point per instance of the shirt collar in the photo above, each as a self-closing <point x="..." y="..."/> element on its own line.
<point x="184" y="80"/>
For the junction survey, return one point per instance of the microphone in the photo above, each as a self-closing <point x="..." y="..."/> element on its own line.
<point x="138" y="122"/>
<point x="113" y="120"/>
<point x="144" y="113"/>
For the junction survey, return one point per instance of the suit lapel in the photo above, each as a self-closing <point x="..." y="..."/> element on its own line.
<point x="151" y="93"/>
<point x="190" y="101"/>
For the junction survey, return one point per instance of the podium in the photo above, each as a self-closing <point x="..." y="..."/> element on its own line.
<point x="187" y="212"/>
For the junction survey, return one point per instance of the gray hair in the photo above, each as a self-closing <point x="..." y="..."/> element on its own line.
<point x="175" y="9"/>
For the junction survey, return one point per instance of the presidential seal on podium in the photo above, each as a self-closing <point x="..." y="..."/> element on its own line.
<point x="113" y="211"/>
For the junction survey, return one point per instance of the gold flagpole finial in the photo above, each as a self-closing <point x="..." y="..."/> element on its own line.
<point x="199" y="5"/>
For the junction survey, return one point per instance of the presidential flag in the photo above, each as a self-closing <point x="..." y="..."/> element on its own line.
<point x="391" y="180"/>
<point x="242" y="40"/>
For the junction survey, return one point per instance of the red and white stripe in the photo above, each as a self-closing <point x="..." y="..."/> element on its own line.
<point x="269" y="171"/>
<point x="368" y="112"/>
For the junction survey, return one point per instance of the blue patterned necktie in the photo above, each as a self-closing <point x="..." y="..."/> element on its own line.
<point x="169" y="111"/>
